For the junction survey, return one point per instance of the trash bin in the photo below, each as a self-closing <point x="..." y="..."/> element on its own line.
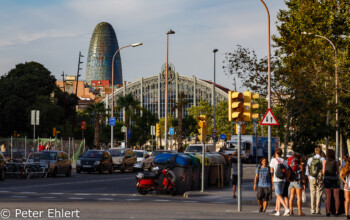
<point x="163" y="160"/>
<point x="196" y="166"/>
<point x="206" y="171"/>
<point x="216" y="170"/>
<point x="183" y="171"/>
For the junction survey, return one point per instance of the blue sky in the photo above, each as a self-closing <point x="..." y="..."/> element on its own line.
<point x="52" y="32"/>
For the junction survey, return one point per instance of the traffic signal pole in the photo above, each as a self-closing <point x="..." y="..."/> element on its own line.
<point x="203" y="161"/>
<point x="239" y="164"/>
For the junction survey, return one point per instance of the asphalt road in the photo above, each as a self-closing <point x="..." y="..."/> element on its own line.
<point x="114" y="196"/>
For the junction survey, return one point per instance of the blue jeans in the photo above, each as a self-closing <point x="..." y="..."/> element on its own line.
<point x="278" y="187"/>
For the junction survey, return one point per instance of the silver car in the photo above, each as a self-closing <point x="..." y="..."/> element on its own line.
<point x="123" y="158"/>
<point x="59" y="162"/>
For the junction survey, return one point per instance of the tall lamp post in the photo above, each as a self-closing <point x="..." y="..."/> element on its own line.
<point x="166" y="90"/>
<point x="268" y="78"/>
<point x="112" y="115"/>
<point x="214" y="100"/>
<point x="336" y="92"/>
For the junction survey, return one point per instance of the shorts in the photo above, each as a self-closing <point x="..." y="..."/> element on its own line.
<point x="296" y="185"/>
<point x="264" y="193"/>
<point x="285" y="189"/>
<point x="234" y="179"/>
<point x="331" y="184"/>
<point x="279" y="187"/>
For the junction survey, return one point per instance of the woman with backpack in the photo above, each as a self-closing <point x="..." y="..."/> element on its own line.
<point x="263" y="175"/>
<point x="345" y="177"/>
<point x="331" y="181"/>
<point x="296" y="178"/>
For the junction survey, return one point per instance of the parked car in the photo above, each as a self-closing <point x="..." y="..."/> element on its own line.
<point x="197" y="148"/>
<point x="59" y="162"/>
<point x="141" y="155"/>
<point x="146" y="164"/>
<point x="123" y="158"/>
<point x="95" y="161"/>
<point x="2" y="167"/>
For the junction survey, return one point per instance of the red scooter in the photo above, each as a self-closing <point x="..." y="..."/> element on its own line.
<point x="147" y="182"/>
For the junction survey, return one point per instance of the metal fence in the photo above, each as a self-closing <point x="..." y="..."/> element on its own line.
<point x="20" y="148"/>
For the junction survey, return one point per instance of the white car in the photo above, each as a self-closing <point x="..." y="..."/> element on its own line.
<point x="140" y="155"/>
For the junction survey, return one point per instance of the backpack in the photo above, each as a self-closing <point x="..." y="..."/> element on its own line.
<point x="281" y="171"/>
<point x="293" y="163"/>
<point x="315" y="167"/>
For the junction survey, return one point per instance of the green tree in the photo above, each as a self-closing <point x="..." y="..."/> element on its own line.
<point x="141" y="129"/>
<point x="131" y="108"/>
<point x="179" y="106"/>
<point x="26" y="87"/>
<point x="98" y="111"/>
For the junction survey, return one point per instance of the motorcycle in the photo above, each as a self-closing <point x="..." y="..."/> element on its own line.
<point x="147" y="182"/>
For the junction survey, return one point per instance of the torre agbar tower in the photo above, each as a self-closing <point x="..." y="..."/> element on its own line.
<point x="103" y="45"/>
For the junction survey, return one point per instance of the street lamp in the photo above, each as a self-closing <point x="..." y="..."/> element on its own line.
<point x="214" y="104"/>
<point x="336" y="92"/>
<point x="131" y="45"/>
<point x="268" y="78"/>
<point x="166" y="90"/>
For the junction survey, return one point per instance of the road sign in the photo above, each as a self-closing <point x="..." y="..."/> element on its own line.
<point x="269" y="118"/>
<point x="112" y="121"/>
<point x="129" y="133"/>
<point x="83" y="125"/>
<point x="214" y="133"/>
<point x="153" y="130"/>
<point x="171" y="131"/>
<point x="222" y="136"/>
<point x="35" y="116"/>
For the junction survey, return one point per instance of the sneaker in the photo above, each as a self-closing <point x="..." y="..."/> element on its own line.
<point x="277" y="214"/>
<point x="286" y="213"/>
<point x="273" y="212"/>
<point x="261" y="209"/>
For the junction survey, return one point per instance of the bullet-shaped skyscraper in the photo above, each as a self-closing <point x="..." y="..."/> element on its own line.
<point x="103" y="45"/>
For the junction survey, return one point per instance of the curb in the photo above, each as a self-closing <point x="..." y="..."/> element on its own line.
<point x="195" y="194"/>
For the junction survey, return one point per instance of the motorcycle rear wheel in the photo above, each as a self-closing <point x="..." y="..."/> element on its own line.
<point x="142" y="190"/>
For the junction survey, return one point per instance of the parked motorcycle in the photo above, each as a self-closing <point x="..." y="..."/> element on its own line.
<point x="147" y="182"/>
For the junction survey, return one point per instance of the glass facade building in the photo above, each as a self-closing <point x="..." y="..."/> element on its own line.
<point x="102" y="47"/>
<point x="150" y="93"/>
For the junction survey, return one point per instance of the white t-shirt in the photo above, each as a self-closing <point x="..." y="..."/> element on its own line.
<point x="273" y="164"/>
<point x="317" y="156"/>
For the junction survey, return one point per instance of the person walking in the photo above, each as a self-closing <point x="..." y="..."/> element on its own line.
<point x="263" y="177"/>
<point x="234" y="171"/>
<point x="279" y="169"/>
<point x="296" y="178"/>
<point x="345" y="177"/>
<point x="331" y="181"/>
<point x="315" y="177"/>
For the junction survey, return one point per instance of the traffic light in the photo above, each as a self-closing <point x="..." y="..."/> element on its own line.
<point x="249" y="106"/>
<point x="235" y="106"/>
<point x="54" y="132"/>
<point x="203" y="128"/>
<point x="157" y="130"/>
<point x="15" y="134"/>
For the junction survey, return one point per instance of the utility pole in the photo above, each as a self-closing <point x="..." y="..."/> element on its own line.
<point x="64" y="101"/>
<point x="76" y="93"/>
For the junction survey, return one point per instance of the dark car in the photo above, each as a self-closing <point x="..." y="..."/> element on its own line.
<point x="2" y="167"/>
<point x="95" y="161"/>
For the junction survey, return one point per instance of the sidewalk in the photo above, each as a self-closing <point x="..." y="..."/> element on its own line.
<point x="248" y="195"/>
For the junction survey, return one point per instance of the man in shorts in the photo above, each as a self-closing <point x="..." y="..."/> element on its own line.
<point x="277" y="183"/>
<point x="263" y="177"/>
<point x="234" y="171"/>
